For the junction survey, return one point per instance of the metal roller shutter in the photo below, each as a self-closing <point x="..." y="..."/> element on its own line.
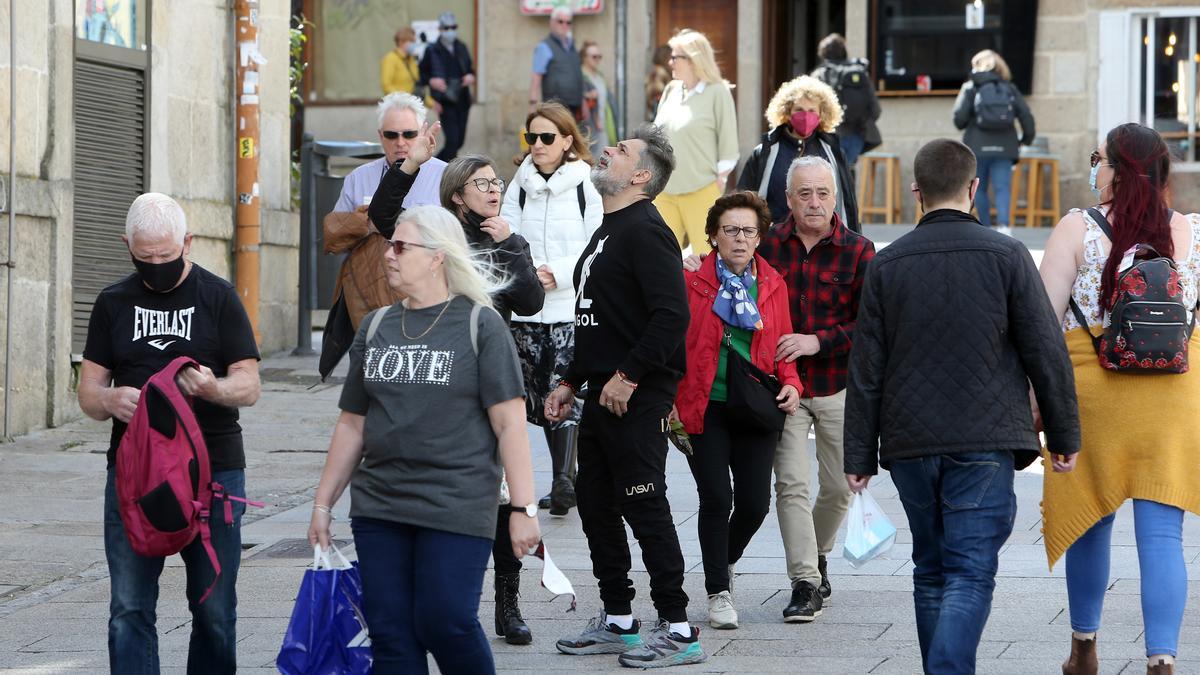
<point x="110" y="122"/>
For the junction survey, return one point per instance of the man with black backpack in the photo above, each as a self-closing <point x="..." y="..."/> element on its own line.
<point x="171" y="307"/>
<point x="851" y="79"/>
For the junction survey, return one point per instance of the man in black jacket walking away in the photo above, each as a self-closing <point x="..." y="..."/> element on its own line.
<point x="631" y="317"/>
<point x="953" y="328"/>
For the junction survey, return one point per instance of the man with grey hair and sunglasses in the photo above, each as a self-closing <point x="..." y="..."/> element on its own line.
<point x="171" y="307"/>
<point x="361" y="222"/>
<point x="631" y="317"/>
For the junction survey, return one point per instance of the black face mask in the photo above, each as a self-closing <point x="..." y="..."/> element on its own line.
<point x="160" y="277"/>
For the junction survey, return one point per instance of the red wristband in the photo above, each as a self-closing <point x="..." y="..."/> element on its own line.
<point x="625" y="378"/>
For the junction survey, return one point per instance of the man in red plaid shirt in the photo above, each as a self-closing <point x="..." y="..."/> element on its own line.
<point x="824" y="264"/>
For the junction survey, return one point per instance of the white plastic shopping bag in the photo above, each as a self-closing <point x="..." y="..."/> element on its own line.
<point x="869" y="533"/>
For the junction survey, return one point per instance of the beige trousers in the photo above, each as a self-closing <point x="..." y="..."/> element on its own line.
<point x="810" y="529"/>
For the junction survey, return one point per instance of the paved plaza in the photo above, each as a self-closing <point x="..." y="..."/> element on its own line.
<point x="54" y="586"/>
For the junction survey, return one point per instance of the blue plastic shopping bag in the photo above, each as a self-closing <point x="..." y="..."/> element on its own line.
<point x="327" y="633"/>
<point x="869" y="533"/>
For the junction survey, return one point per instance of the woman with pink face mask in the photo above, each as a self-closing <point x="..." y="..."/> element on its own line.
<point x="802" y="114"/>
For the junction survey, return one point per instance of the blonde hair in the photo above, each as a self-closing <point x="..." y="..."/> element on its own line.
<point x="988" y="60"/>
<point x="779" y="110"/>
<point x="469" y="273"/>
<point x="699" y="50"/>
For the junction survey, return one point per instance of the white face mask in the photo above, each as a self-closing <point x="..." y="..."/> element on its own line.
<point x="1092" y="180"/>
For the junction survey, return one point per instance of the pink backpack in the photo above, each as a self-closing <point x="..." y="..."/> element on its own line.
<point x="164" y="479"/>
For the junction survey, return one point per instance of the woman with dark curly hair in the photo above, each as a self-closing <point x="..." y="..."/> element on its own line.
<point x="1138" y="442"/>
<point x="739" y="310"/>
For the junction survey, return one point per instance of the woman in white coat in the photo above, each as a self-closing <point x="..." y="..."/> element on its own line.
<point x="552" y="203"/>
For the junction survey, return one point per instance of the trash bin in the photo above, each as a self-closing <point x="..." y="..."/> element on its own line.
<point x="319" y="192"/>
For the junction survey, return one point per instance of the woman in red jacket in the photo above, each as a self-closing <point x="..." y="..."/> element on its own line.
<point x="738" y="303"/>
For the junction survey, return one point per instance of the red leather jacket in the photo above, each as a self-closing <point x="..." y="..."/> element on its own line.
<point x="706" y="329"/>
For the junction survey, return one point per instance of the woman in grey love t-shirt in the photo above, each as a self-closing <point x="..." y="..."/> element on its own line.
<point x="423" y="434"/>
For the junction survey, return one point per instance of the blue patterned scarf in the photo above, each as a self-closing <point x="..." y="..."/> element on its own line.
<point x="734" y="304"/>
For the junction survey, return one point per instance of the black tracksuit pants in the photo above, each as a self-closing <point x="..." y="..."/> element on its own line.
<point x="727" y="446"/>
<point x="622" y="471"/>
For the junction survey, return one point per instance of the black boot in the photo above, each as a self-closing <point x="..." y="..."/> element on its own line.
<point x="825" y="589"/>
<point x="562" y="453"/>
<point x="509" y="623"/>
<point x="544" y="502"/>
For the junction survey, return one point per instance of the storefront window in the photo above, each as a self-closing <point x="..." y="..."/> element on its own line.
<point x="925" y="46"/>
<point x="1168" y="63"/>
<point x="120" y="23"/>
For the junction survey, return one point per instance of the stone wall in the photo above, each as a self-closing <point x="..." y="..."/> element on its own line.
<point x="191" y="142"/>
<point x="1063" y="99"/>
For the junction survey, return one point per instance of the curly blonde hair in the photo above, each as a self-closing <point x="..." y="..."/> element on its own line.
<point x="779" y="110"/>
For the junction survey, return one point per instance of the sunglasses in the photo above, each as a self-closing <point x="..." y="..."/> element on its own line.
<point x="450" y="27"/>
<point x="483" y="184"/>
<point x="546" y="138"/>
<point x="399" y="245"/>
<point x="677" y="57"/>
<point x="595" y="56"/>
<point x="1096" y="158"/>
<point x="565" y="22"/>
<point x="408" y="134"/>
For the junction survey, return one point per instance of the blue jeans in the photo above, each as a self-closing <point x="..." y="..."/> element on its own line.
<point x="132" y="636"/>
<point x="852" y="146"/>
<point x="421" y="592"/>
<point x="996" y="171"/>
<point x="1159" y="532"/>
<point x="960" y="510"/>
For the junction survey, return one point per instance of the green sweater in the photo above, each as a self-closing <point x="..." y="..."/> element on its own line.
<point x="740" y="339"/>
<point x="703" y="132"/>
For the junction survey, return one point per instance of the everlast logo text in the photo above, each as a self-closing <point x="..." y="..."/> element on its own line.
<point x="639" y="489"/>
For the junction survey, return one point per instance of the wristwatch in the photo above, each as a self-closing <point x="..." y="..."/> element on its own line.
<point x="531" y="510"/>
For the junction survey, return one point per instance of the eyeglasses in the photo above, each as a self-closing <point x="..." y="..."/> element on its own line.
<point x="407" y="133"/>
<point x="565" y="22"/>
<point x="546" y="138"/>
<point x="398" y="245"/>
<point x="1096" y="158"/>
<point x="732" y="231"/>
<point x="676" y="57"/>
<point x="483" y="184"/>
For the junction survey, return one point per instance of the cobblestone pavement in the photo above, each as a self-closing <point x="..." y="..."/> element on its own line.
<point x="54" y="586"/>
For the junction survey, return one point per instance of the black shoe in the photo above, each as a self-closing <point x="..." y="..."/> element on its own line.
<point x="544" y="502"/>
<point x="509" y="623"/>
<point x="562" y="496"/>
<point x="805" y="604"/>
<point x="825" y="588"/>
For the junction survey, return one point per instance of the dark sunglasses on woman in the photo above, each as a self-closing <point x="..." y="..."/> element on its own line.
<point x="398" y="245"/>
<point x="546" y="138"/>
<point x="393" y="135"/>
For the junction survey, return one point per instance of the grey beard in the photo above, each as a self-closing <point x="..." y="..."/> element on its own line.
<point x="606" y="185"/>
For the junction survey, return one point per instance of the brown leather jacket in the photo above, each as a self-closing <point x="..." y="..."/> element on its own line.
<point x="363" y="277"/>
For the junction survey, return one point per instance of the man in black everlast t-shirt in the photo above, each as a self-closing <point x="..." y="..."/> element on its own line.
<point x="171" y="307"/>
<point x="631" y="317"/>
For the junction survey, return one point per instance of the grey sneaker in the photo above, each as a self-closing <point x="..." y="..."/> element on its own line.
<point x="721" y="613"/>
<point x="663" y="648"/>
<point x="602" y="637"/>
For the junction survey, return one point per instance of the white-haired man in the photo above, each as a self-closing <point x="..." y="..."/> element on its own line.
<point x="171" y="307"/>
<point x="557" y="69"/>
<point x="407" y="175"/>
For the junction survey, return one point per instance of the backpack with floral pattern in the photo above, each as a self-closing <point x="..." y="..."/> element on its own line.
<point x="1149" y="325"/>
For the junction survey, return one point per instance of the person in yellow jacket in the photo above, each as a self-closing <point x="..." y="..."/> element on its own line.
<point x="400" y="69"/>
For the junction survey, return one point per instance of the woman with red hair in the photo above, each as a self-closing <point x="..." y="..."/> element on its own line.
<point x="1138" y="438"/>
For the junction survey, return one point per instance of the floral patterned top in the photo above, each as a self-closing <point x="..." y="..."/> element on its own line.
<point x="1086" y="290"/>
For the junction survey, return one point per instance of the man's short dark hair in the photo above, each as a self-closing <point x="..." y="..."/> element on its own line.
<point x="658" y="156"/>
<point x="832" y="47"/>
<point x="943" y="170"/>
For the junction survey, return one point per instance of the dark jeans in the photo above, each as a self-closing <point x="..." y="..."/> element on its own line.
<point x="997" y="172"/>
<point x="421" y="595"/>
<point x="454" y="129"/>
<point x="960" y="510"/>
<point x="852" y="146"/>
<point x="502" y="554"/>
<point x="622" y="474"/>
<point x="133" y="579"/>
<point x="724" y="447"/>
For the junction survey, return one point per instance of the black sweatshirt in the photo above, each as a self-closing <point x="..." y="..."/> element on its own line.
<point x="631" y="311"/>
<point x="524" y="294"/>
<point x="387" y="203"/>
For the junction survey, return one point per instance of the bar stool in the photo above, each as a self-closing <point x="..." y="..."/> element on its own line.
<point x="1032" y="172"/>
<point x="870" y="163"/>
